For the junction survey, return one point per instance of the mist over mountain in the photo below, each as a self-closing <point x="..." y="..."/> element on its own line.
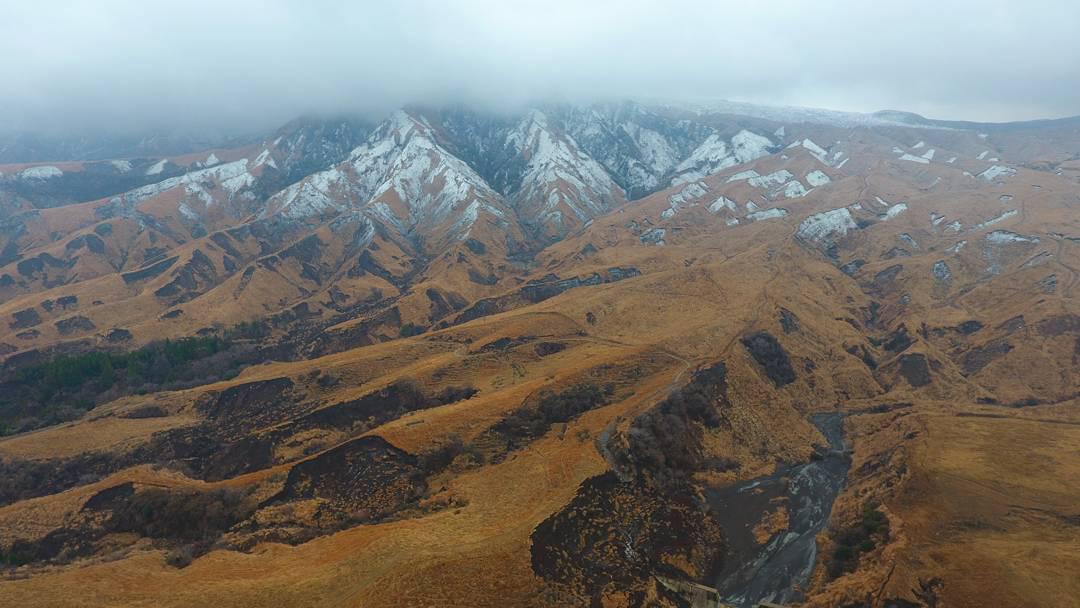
<point x="544" y="304"/>
<point x="124" y="66"/>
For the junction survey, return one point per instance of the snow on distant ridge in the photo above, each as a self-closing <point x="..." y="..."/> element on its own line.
<point x="157" y="167"/>
<point x="793" y="114"/>
<point x="264" y="158"/>
<point x="192" y="181"/>
<point x="43" y="172"/>
<point x="715" y="155"/>
<point x="747" y="146"/>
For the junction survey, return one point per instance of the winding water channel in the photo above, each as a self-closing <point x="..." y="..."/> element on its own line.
<point x="779" y="569"/>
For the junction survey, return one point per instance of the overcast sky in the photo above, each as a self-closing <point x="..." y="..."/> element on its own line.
<point x="137" y="64"/>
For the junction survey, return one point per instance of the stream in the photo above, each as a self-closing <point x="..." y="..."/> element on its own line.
<point x="777" y="570"/>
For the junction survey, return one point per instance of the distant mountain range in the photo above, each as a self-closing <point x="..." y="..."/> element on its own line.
<point x="616" y="354"/>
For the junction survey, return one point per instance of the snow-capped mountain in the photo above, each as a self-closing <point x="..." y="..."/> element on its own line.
<point x="637" y="146"/>
<point x="401" y="177"/>
<point x="457" y="194"/>
<point x="553" y="184"/>
<point x="716" y="154"/>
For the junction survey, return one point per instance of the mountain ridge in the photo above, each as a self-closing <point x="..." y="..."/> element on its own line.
<point x="533" y="359"/>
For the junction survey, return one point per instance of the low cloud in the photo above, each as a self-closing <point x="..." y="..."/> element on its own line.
<point x="126" y="65"/>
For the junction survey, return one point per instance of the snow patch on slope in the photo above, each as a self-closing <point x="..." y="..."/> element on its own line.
<point x="721" y="204"/>
<point x="157" y="167"/>
<point x="817" y="178"/>
<point x="915" y="159"/>
<point x="41" y="173"/>
<point x="894" y="211"/>
<point x="997" y="171"/>
<point x="743" y="175"/>
<point x="821" y="227"/>
<point x="794" y="189"/>
<point x="998" y="218"/>
<point x="1004" y="237"/>
<point x="715" y="155"/>
<point x="193" y="183"/>
<point x="767" y="214"/>
<point x="815" y="150"/>
<point x="776" y="178"/>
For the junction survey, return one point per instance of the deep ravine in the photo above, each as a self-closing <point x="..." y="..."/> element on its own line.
<point x="779" y="569"/>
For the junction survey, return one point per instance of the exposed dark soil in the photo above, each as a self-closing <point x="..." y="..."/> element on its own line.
<point x="615" y="536"/>
<point x="365" y="478"/>
<point x="771" y="356"/>
<point x="915" y="369"/>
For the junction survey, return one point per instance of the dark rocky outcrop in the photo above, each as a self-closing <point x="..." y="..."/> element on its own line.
<point x="1059" y="325"/>
<point x="969" y="327"/>
<point x="544" y="349"/>
<point x="981" y="356"/>
<point x="189" y="280"/>
<point x="365" y="478"/>
<point x="149" y="272"/>
<point x="252" y="404"/>
<point x="475" y="246"/>
<point x="886" y="278"/>
<point x="852" y="267"/>
<point x="75" y="324"/>
<point x="771" y="356"/>
<point x="118" y="335"/>
<point x="899" y="340"/>
<point x="583" y="548"/>
<point x="915" y="369"/>
<point x="24" y="318"/>
<point x="90" y="241"/>
<point x="788" y="321"/>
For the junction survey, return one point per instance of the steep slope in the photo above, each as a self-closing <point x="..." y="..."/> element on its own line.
<point x="715" y="154"/>
<point x="403" y="177"/>
<point x="557" y="187"/>
<point x="638" y="146"/>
